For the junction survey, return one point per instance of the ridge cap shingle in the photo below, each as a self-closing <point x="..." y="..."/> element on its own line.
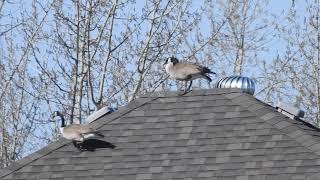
<point x="203" y="92"/>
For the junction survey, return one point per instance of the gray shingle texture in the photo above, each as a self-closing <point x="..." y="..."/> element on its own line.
<point x="205" y="134"/>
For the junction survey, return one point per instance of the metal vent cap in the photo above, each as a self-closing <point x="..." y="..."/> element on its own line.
<point x="241" y="82"/>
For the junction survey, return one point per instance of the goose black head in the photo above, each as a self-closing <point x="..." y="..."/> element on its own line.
<point x="55" y="114"/>
<point x="58" y="114"/>
<point x="172" y="60"/>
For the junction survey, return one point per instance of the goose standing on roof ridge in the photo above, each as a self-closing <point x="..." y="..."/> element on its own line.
<point x="76" y="132"/>
<point x="186" y="72"/>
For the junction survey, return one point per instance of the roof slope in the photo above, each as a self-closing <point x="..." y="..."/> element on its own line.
<point x="205" y="134"/>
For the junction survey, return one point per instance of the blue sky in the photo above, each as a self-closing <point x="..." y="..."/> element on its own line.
<point x="275" y="7"/>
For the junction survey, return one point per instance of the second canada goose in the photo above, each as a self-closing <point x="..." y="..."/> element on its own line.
<point x="186" y="72"/>
<point x="76" y="132"/>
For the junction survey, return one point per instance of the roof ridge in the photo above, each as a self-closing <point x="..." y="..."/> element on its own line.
<point x="196" y="92"/>
<point x="62" y="142"/>
<point x="269" y="115"/>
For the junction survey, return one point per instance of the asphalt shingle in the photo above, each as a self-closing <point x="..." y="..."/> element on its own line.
<point x="205" y="134"/>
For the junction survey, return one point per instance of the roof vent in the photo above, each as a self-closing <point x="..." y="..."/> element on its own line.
<point x="241" y="82"/>
<point x="101" y="112"/>
<point x="291" y="111"/>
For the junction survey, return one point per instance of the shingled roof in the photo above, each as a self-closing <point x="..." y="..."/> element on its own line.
<point x="206" y="134"/>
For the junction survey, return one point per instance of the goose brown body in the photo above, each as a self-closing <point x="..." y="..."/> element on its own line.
<point x="76" y="132"/>
<point x="186" y="72"/>
<point x="79" y="132"/>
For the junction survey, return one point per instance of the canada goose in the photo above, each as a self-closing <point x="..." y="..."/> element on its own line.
<point x="76" y="132"/>
<point x="186" y="72"/>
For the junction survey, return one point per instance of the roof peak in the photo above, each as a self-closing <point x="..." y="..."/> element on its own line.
<point x="195" y="92"/>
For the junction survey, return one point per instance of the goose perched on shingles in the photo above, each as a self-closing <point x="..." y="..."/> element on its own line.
<point x="186" y="72"/>
<point x="76" y="132"/>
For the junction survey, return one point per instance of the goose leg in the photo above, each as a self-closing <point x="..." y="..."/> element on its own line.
<point x="190" y="86"/>
<point x="78" y="145"/>
<point x="75" y="144"/>
<point x="185" y="87"/>
<point x="184" y="91"/>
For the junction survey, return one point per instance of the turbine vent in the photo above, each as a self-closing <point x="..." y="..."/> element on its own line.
<point x="246" y="84"/>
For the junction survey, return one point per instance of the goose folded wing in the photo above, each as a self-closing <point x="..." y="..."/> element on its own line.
<point x="82" y="129"/>
<point x="87" y="130"/>
<point x="187" y="69"/>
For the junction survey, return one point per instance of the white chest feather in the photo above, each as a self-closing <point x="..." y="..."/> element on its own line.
<point x="172" y="71"/>
<point x="69" y="134"/>
<point x="61" y="130"/>
<point x="169" y="68"/>
<point x="177" y="73"/>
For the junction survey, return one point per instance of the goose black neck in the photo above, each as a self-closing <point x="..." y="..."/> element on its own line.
<point x="62" y="121"/>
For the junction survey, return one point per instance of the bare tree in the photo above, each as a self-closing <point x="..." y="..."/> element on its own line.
<point x="19" y="108"/>
<point x="78" y="56"/>
<point x="243" y="38"/>
<point x="296" y="72"/>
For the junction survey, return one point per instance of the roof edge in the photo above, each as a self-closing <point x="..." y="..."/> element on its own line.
<point x="271" y="116"/>
<point x="32" y="157"/>
<point x="62" y="142"/>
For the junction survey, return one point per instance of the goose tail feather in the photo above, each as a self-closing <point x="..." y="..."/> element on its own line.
<point x="205" y="70"/>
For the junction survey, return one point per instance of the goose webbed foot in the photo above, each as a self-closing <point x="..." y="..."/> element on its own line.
<point x="78" y="145"/>
<point x="187" y="89"/>
<point x="183" y="92"/>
